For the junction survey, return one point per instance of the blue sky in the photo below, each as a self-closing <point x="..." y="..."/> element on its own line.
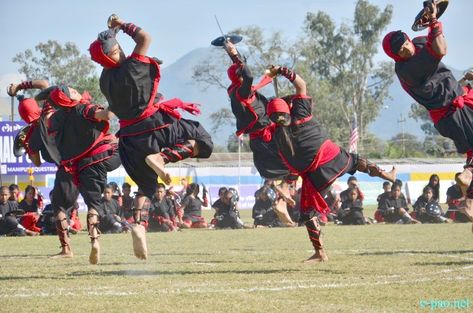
<point x="179" y="26"/>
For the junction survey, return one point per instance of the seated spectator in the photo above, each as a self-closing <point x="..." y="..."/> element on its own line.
<point x="394" y="208"/>
<point x="9" y="225"/>
<point x="15" y="194"/>
<point x="351" y="211"/>
<point x="217" y="205"/>
<point x="227" y="214"/>
<point x="454" y="194"/>
<point x="263" y="212"/>
<point x="126" y="209"/>
<point x="380" y="199"/>
<point x="116" y="193"/>
<point x="434" y="183"/>
<point x="191" y="207"/>
<point x="162" y="212"/>
<point x="428" y="209"/>
<point x="352" y="182"/>
<point x="32" y="205"/>
<point x="110" y="221"/>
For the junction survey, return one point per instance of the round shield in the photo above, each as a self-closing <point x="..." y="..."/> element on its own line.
<point x="19" y="141"/>
<point x="421" y="23"/>
<point x="271" y="194"/>
<point x="219" y="41"/>
<point x="433" y="209"/>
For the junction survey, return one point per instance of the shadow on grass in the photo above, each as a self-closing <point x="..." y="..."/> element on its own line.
<point x="179" y="273"/>
<point x="415" y="252"/>
<point x="446" y="263"/>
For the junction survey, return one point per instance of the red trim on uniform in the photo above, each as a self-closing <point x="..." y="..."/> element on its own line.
<point x="458" y="103"/>
<point x="311" y="199"/>
<point x="27" y="139"/>
<point x="303" y="120"/>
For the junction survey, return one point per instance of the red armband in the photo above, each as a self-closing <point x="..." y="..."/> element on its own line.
<point x="435" y="30"/>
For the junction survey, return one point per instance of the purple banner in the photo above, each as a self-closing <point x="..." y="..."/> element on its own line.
<point x="11" y="165"/>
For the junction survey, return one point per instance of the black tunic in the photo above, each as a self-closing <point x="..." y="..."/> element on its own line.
<point x="192" y="208"/>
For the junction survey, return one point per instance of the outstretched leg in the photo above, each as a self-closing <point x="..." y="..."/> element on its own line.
<point x="314" y="231"/>
<point x="174" y="154"/>
<point x="94" y="233"/>
<point x="63" y="234"/>
<point x="372" y="169"/>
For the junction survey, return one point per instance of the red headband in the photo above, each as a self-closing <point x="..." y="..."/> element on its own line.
<point x="61" y="99"/>
<point x="387" y="46"/>
<point x="233" y="73"/>
<point x="29" y="110"/>
<point x="277" y="105"/>
<point x="97" y="55"/>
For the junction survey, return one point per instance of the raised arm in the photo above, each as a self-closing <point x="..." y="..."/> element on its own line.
<point x="13" y="89"/>
<point x="295" y="79"/>
<point x="244" y="90"/>
<point x="435" y="37"/>
<point x="141" y="38"/>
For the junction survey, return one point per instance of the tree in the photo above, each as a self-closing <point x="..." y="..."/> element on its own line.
<point x="233" y="143"/>
<point x="338" y="65"/>
<point x="60" y="64"/>
<point x="404" y="145"/>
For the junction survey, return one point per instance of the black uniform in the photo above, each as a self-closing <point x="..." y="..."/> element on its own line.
<point x="252" y="118"/>
<point x="454" y="193"/>
<point x="8" y="222"/>
<point x="390" y="209"/>
<point x="65" y="193"/>
<point x="433" y="86"/>
<point x="109" y="218"/>
<point x="80" y="139"/>
<point x="307" y="137"/>
<point x="226" y="215"/>
<point x="351" y="212"/>
<point x="25" y="207"/>
<point x="192" y="209"/>
<point x="130" y="90"/>
<point x="161" y="214"/>
<point x="264" y="215"/>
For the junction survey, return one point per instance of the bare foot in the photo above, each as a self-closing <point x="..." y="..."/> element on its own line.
<point x="464" y="180"/>
<point x="94" y="256"/>
<point x="391" y="176"/>
<point x="319" y="256"/>
<point x="64" y="254"/>
<point x="156" y="162"/>
<point x="138" y="234"/>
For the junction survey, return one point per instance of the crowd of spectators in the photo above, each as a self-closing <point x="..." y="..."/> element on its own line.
<point x="275" y="205"/>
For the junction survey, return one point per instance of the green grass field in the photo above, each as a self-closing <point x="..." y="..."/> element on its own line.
<point x="374" y="268"/>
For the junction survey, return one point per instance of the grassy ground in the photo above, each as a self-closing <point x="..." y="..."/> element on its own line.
<point x="375" y="268"/>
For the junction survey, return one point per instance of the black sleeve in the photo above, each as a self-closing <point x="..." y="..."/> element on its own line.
<point x="245" y="89"/>
<point x="172" y="211"/>
<point x="385" y="204"/>
<point x="88" y="111"/>
<point x="301" y="107"/>
<point x="35" y="142"/>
